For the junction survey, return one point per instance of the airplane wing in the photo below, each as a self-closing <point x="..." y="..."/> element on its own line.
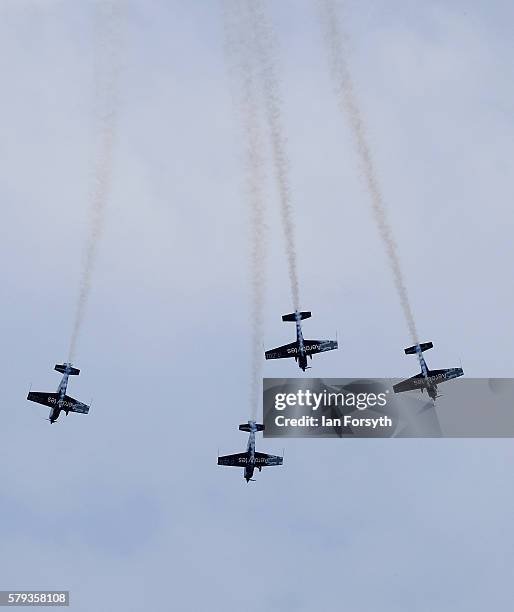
<point x="262" y="459"/>
<point x="237" y="460"/>
<point x="319" y="346"/>
<point x="415" y="383"/>
<point x="446" y="374"/>
<point x="281" y="352"/>
<point x="74" y="406"/>
<point x="47" y="399"/>
<point x="52" y="400"/>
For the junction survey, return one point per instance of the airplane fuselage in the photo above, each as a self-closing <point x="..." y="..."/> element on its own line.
<point x="302" y="356"/>
<point x="61" y="390"/>
<point x="430" y="384"/>
<point x="250" y="451"/>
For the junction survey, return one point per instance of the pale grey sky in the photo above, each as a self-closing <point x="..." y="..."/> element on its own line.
<point x="126" y="507"/>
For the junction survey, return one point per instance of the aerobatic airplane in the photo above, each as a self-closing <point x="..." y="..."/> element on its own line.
<point x="301" y="348"/>
<point x="251" y="459"/>
<point x="60" y="401"/>
<point x="427" y="379"/>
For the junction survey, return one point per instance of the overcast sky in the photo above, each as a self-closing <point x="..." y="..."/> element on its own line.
<point x="126" y="507"/>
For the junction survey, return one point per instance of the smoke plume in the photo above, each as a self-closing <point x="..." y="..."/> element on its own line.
<point x="107" y="22"/>
<point x="265" y="51"/>
<point x="238" y="47"/>
<point x="336" y="43"/>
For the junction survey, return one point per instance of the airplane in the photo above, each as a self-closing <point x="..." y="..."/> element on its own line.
<point x="301" y="348"/>
<point x="427" y="379"/>
<point x="251" y="459"/>
<point x="60" y="401"/>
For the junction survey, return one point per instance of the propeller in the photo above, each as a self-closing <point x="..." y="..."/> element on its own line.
<point x="47" y="419"/>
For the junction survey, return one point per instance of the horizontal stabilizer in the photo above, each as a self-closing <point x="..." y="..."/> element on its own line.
<point x="292" y="316"/>
<point x="424" y="346"/>
<point x="251" y="427"/>
<point x="61" y="367"/>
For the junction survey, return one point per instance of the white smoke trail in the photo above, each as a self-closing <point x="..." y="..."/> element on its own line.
<point x="246" y="96"/>
<point x="336" y="40"/>
<point x="107" y="22"/>
<point x="265" y="55"/>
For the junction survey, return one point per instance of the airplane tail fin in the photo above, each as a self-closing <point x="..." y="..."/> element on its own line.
<point x="424" y="346"/>
<point x="63" y="367"/>
<point x="251" y="427"/>
<point x="292" y="316"/>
